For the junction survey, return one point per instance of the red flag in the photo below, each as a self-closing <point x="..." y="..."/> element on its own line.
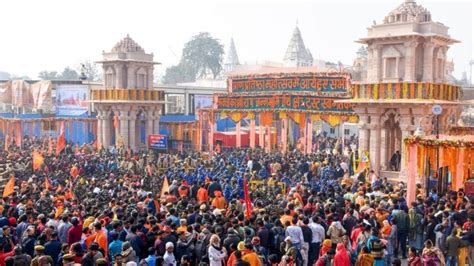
<point x="38" y="160"/>
<point x="9" y="187"/>
<point x="61" y="142"/>
<point x="7" y="142"/>
<point x="47" y="184"/>
<point x="50" y="146"/>
<point x="248" y="204"/>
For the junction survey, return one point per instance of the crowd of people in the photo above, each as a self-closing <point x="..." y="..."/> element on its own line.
<point x="123" y="208"/>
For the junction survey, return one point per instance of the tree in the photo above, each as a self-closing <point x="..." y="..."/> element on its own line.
<point x="48" y="75"/>
<point x="4" y="75"/>
<point x="201" y="56"/>
<point x="69" y="74"/>
<point x="90" y="70"/>
<point x="179" y="73"/>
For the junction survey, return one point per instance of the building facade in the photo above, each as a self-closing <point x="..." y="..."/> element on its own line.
<point x="406" y="77"/>
<point x="128" y="107"/>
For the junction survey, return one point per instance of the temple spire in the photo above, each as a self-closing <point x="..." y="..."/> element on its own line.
<point x="296" y="54"/>
<point x="232" y="59"/>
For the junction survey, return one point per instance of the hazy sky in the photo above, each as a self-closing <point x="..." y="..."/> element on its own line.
<point x="51" y="34"/>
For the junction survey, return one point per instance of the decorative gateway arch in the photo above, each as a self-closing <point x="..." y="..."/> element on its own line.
<point x="278" y="103"/>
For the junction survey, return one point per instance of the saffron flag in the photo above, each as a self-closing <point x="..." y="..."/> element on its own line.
<point x="9" y="187"/>
<point x="74" y="171"/>
<point x="165" y="186"/>
<point x="61" y="142"/>
<point x="38" y="160"/>
<point x="47" y="184"/>
<point x="116" y="121"/>
<point x="69" y="194"/>
<point x="7" y="142"/>
<point x="50" y="146"/>
<point x="248" y="204"/>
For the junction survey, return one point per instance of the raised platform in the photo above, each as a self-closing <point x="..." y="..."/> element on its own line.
<point x="392" y="176"/>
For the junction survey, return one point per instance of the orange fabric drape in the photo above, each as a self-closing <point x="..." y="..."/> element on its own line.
<point x="7" y="142"/>
<point x="299" y="118"/>
<point x="9" y="187"/>
<point x="266" y="118"/>
<point x="18" y="134"/>
<point x="116" y="121"/>
<point x="397" y="91"/>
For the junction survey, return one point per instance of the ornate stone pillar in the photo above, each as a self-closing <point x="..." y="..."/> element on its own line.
<point x="383" y="147"/>
<point x="131" y="77"/>
<point x="405" y="126"/>
<point x="268" y="137"/>
<point x="284" y="135"/>
<point x="132" y="132"/>
<point x="376" y="63"/>
<point x="309" y="136"/>
<point x="150" y="77"/>
<point x="100" y="119"/>
<point x="119" y="76"/>
<point x="156" y="123"/>
<point x="410" y="61"/>
<point x="238" y="137"/>
<point x="148" y="124"/>
<point x="211" y="137"/>
<point x="124" y="127"/>
<point x="106" y="132"/>
<point x="252" y="133"/>
<point x="374" y="146"/>
<point x="428" y="62"/>
<point x="261" y="136"/>
<point x="363" y="132"/>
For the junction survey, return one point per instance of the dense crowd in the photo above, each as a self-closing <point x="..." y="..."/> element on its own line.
<point x="109" y="208"/>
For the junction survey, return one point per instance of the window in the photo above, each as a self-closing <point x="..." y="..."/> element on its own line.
<point x="332" y="131"/>
<point x="346" y="131"/>
<point x="141" y="81"/>
<point x="175" y="104"/>
<point x="391" y="67"/>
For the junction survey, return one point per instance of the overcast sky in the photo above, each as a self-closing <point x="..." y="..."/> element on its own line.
<point x="52" y="34"/>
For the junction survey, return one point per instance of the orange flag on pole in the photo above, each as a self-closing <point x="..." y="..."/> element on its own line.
<point x="69" y="194"/>
<point x="165" y="186"/>
<point x="50" y="146"/>
<point x="47" y="184"/>
<point x="38" y="160"/>
<point x="9" y="187"/>
<point x="116" y="121"/>
<point x="61" y="143"/>
<point x="74" y="171"/>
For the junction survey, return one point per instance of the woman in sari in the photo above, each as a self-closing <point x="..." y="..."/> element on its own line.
<point x="432" y="255"/>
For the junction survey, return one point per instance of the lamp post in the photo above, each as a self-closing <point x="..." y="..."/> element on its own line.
<point x="437" y="110"/>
